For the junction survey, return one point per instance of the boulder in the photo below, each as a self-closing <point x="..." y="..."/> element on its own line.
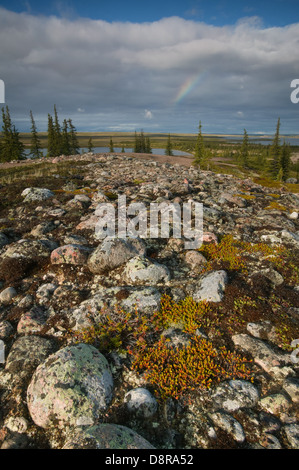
<point x="72" y="387"/>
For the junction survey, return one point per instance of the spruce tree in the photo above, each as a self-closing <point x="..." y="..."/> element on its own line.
<point x="285" y="161"/>
<point x="111" y="148"/>
<point x="51" y="138"/>
<point x="11" y="146"/>
<point x="147" y="148"/>
<point x="244" y="150"/>
<point x="275" y="153"/>
<point x="168" y="150"/>
<point x="74" y="144"/>
<point x="57" y="137"/>
<point x="90" y="146"/>
<point x="200" y="151"/>
<point x="65" y="139"/>
<point x="35" y="149"/>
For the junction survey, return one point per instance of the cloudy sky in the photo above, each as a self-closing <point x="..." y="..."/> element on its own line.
<point x="159" y="66"/>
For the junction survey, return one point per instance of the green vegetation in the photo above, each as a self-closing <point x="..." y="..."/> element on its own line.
<point x="11" y="147"/>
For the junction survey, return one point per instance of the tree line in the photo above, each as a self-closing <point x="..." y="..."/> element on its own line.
<point x="62" y="139"/>
<point x="273" y="160"/>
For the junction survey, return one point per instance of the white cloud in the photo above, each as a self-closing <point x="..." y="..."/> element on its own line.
<point x="148" y="114"/>
<point x="106" y="74"/>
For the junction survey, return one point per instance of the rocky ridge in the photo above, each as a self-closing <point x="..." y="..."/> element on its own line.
<point x="57" y="276"/>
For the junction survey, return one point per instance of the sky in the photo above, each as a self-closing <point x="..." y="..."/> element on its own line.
<point x="156" y="66"/>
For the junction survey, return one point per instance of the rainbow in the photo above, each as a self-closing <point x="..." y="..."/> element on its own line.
<point x="186" y="87"/>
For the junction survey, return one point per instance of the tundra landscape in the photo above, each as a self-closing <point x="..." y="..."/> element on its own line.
<point x="149" y="228"/>
<point x="140" y="343"/>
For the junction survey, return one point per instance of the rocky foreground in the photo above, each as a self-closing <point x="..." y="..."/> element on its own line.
<point x="79" y="314"/>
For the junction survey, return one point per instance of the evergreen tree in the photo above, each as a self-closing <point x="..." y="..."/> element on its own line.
<point x="285" y="161"/>
<point x="136" y="143"/>
<point x="51" y="138"/>
<point x="65" y="139"/>
<point x="74" y="144"/>
<point x="244" y="150"/>
<point x="57" y="137"/>
<point x="275" y="153"/>
<point x="90" y="146"/>
<point x="147" y="148"/>
<point x="111" y="148"/>
<point x="200" y="151"/>
<point x="11" y="146"/>
<point x="123" y="149"/>
<point x="35" y="149"/>
<point x="168" y="150"/>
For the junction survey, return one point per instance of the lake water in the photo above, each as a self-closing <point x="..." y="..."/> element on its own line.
<point x="176" y="153"/>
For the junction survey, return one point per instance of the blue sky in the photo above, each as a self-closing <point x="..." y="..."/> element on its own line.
<point x="219" y="12"/>
<point x="156" y="66"/>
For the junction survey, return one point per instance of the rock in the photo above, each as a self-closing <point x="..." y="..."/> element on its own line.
<point x="106" y="436"/>
<point x="141" y="270"/>
<point x="29" y="249"/>
<point x="227" y="423"/>
<point x="235" y="395"/>
<point x="70" y="254"/>
<point x="7" y="295"/>
<point x="291" y="386"/>
<point x="276" y="404"/>
<point x="26" y="354"/>
<point x="146" y="300"/>
<point x="113" y="253"/>
<point x="194" y="259"/>
<point x="212" y="287"/>
<point x="16" y="424"/>
<point x="36" y="194"/>
<point x="292" y="434"/>
<point x="6" y="329"/>
<point x="74" y="383"/>
<point x="293" y="215"/>
<point x="262" y="354"/>
<point x="15" y="441"/>
<point x="141" y="403"/>
<point x="32" y="322"/>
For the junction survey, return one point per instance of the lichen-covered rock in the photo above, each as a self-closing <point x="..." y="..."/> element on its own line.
<point x="73" y="386"/>
<point x="36" y="194"/>
<point x="25" y="248"/>
<point x="70" y="254"/>
<point x="146" y="299"/>
<point x="33" y="321"/>
<point x="234" y="395"/>
<point x="229" y="424"/>
<point x="114" y="252"/>
<point x="26" y="354"/>
<point x="141" y="403"/>
<point x="106" y="436"/>
<point x="212" y="287"/>
<point x="141" y="270"/>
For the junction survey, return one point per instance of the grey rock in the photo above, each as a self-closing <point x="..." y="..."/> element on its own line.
<point x="106" y="436"/>
<point x="141" y="270"/>
<point x="36" y="194"/>
<point x="229" y="424"/>
<point x="141" y="403"/>
<point x="235" y="395"/>
<point x="212" y="287"/>
<point x="292" y="434"/>
<point x="26" y="354"/>
<point x="113" y="253"/>
<point x="7" y="295"/>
